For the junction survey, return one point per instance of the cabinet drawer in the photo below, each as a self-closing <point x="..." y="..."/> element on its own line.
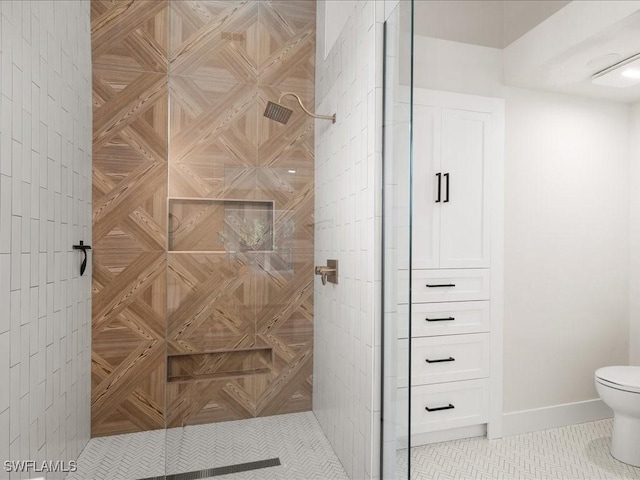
<point x="450" y="285"/>
<point x="447" y="318"/>
<point x="466" y="402"/>
<point x="451" y="358"/>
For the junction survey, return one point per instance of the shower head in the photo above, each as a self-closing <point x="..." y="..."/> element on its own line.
<point x="280" y="113"/>
<point x="277" y="112"/>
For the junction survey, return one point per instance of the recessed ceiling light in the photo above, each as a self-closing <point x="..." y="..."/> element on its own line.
<point x="621" y="75"/>
<point x="292" y="171"/>
<point x="631" y="73"/>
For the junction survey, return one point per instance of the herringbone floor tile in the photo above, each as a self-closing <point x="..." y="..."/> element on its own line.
<point x="297" y="439"/>
<point x="577" y="452"/>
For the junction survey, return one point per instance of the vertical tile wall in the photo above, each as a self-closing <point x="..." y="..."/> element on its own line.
<point x="45" y="208"/>
<point x="348" y="218"/>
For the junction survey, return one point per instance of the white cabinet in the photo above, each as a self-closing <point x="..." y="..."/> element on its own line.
<point x="448" y="405"/>
<point x="450" y="318"/>
<point x="451" y="170"/>
<point x="450" y="285"/>
<point x="425" y="228"/>
<point x="446" y="358"/>
<point x="456" y="271"/>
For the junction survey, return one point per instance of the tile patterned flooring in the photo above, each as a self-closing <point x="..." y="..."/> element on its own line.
<point x="297" y="439"/>
<point x="568" y="453"/>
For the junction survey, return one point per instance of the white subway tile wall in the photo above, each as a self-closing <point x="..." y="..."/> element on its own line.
<point x="348" y="218"/>
<point x="45" y="208"/>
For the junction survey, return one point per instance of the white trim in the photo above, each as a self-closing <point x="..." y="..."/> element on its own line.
<point x="495" y="427"/>
<point x="443" y="435"/>
<point x="463" y="101"/>
<point x="555" y="416"/>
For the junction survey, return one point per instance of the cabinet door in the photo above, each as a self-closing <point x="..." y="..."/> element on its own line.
<point x="426" y="163"/>
<point x="464" y="218"/>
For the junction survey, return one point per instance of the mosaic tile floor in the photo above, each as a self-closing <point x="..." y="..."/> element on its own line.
<point x="569" y="453"/>
<point x="297" y="439"/>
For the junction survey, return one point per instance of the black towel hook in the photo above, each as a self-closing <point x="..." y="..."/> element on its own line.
<point x="84" y="249"/>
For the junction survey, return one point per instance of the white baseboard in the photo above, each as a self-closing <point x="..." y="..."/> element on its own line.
<point x="443" y="435"/>
<point x="556" y="416"/>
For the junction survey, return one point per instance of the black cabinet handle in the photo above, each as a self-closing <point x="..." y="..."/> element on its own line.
<point x="446" y="179"/>
<point x="435" y="409"/>
<point x="445" y="319"/>
<point x="440" y="285"/>
<point x="440" y="360"/>
<point x="439" y="175"/>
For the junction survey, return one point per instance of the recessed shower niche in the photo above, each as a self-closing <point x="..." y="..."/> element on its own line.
<point x="218" y="226"/>
<point x="218" y="365"/>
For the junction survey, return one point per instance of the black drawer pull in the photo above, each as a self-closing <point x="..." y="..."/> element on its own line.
<point x="446" y="319"/>
<point x="440" y="285"/>
<point x="448" y="407"/>
<point x="440" y="360"/>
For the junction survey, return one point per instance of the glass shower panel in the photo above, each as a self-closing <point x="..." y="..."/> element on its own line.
<point x="396" y="308"/>
<point x="241" y="232"/>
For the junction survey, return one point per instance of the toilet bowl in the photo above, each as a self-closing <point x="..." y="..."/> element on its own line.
<point x="619" y="388"/>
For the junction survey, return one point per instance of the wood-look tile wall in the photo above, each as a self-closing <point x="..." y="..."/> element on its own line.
<point x="179" y="91"/>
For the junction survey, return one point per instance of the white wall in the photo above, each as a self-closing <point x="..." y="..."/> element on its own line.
<point x="347" y="217"/>
<point x="566" y="246"/>
<point x="336" y="14"/>
<point x="566" y="227"/>
<point x="634" y="230"/>
<point x="45" y="208"/>
<point x="457" y="67"/>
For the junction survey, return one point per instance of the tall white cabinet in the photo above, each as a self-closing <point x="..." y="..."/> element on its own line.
<point x="456" y="268"/>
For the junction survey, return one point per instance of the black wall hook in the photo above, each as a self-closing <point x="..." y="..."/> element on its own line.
<point x="84" y="249"/>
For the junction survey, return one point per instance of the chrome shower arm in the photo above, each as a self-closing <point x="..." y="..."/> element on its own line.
<point x="323" y="117"/>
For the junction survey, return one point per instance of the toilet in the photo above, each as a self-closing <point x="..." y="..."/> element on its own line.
<point x="619" y="388"/>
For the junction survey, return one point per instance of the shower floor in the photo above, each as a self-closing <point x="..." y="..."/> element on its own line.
<point x="296" y="439"/>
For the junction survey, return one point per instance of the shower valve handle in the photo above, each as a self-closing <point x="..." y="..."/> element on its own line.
<point x="328" y="273"/>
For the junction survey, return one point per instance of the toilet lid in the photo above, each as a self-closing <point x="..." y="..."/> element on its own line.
<point x="625" y="377"/>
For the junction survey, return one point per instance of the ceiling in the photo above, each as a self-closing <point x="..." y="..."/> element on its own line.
<point x="551" y="45"/>
<point x="563" y="53"/>
<point x="489" y="23"/>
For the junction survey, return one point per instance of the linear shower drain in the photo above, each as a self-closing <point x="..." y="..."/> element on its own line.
<point x="217" y="471"/>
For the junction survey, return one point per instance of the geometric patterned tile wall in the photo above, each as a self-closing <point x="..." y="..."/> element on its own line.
<point x="226" y="60"/>
<point x="129" y="43"/>
<point x="179" y="90"/>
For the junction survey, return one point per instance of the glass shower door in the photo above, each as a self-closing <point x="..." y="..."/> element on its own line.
<point x="240" y="258"/>
<point x="396" y="263"/>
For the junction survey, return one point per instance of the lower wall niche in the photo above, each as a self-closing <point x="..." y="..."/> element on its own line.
<point x="218" y="365"/>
